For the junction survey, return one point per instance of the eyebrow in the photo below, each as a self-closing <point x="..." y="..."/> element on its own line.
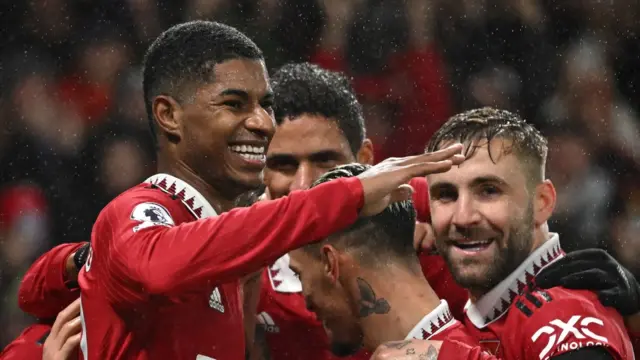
<point x="235" y="92"/>
<point x="245" y="95"/>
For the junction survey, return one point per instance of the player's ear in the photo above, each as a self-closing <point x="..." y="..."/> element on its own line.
<point x="330" y="263"/>
<point x="168" y="114"/>
<point x="365" y="154"/>
<point x="544" y="202"/>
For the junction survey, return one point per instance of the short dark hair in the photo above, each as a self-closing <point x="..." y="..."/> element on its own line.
<point x="487" y="124"/>
<point x="185" y="55"/>
<point x="375" y="239"/>
<point x="303" y="88"/>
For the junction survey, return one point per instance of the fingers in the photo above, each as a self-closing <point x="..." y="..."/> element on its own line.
<point x="71" y="328"/>
<point x="70" y="347"/>
<point x="424" y="169"/>
<point x="436" y="156"/>
<point x="423" y="237"/>
<point x="402" y="193"/>
<point x="594" y="255"/>
<point x="594" y="279"/>
<point x="66" y="315"/>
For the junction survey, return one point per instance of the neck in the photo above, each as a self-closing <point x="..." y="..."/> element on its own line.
<point x="410" y="298"/>
<point x="183" y="172"/>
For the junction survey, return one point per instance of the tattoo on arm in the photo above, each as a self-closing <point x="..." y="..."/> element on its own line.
<point x="430" y="354"/>
<point x="369" y="304"/>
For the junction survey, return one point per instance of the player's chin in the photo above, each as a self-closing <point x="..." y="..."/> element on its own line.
<point x="470" y="276"/>
<point x="248" y="179"/>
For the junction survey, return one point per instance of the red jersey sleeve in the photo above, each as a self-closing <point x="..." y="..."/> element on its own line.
<point x="421" y="198"/>
<point x="28" y="346"/>
<point x="454" y="349"/>
<point x="143" y="261"/>
<point x="43" y="292"/>
<point x="570" y="321"/>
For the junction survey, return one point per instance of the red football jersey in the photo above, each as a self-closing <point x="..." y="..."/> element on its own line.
<point x="43" y="291"/>
<point x="439" y="325"/>
<point x="28" y="346"/>
<point x="516" y="321"/>
<point x="160" y="285"/>
<point x="293" y="332"/>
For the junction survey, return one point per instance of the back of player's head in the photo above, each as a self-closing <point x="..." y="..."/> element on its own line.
<point x="304" y="88"/>
<point x="376" y="240"/>
<point x="184" y="56"/>
<point x="478" y="126"/>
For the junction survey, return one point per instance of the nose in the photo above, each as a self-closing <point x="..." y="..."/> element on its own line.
<point x="465" y="214"/>
<point x="304" y="177"/>
<point x="261" y="123"/>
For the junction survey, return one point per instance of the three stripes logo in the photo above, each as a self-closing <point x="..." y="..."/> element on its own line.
<point x="215" y="300"/>
<point x="267" y="322"/>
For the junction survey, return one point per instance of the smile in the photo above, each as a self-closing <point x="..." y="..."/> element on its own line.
<point x="252" y="154"/>
<point x="472" y="246"/>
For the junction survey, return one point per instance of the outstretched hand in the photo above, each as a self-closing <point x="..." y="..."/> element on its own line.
<point x="386" y="182"/>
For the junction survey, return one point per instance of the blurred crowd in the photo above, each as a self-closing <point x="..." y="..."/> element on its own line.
<point x="73" y="129"/>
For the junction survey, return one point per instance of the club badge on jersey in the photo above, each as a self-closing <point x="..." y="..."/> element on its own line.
<point x="151" y="214"/>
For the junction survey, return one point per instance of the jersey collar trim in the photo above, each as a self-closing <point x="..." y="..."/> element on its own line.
<point x="434" y="322"/>
<point x="282" y="278"/>
<point x="190" y="197"/>
<point x="496" y="302"/>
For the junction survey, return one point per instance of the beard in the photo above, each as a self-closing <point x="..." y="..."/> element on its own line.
<point x="479" y="276"/>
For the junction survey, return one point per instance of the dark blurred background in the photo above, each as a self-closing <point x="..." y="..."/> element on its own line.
<point x="73" y="131"/>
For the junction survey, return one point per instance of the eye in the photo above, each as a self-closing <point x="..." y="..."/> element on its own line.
<point x="235" y="104"/>
<point x="283" y="166"/>
<point x="490" y="191"/>
<point x="445" y="194"/>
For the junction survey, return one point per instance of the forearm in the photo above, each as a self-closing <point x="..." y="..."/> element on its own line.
<point x="430" y="350"/>
<point x="44" y="289"/>
<point x="169" y="260"/>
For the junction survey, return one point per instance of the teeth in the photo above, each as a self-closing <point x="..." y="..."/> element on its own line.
<point x="248" y="149"/>
<point x="477" y="243"/>
<point x="253" y="157"/>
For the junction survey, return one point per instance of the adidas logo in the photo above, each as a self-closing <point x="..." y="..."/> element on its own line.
<point x="267" y="322"/>
<point x="215" y="300"/>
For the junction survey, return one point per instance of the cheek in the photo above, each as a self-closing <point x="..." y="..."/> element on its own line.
<point x="501" y="216"/>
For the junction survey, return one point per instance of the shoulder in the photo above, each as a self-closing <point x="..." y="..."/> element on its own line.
<point x="145" y="203"/>
<point x="455" y="331"/>
<point x="560" y="320"/>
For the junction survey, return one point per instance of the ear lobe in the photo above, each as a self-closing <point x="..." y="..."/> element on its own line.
<point x="167" y="113"/>
<point x="544" y="203"/>
<point x="365" y="154"/>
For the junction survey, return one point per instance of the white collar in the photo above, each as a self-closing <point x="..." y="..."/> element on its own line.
<point x="495" y="303"/>
<point x="190" y="197"/>
<point x="282" y="278"/>
<point x="434" y="322"/>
